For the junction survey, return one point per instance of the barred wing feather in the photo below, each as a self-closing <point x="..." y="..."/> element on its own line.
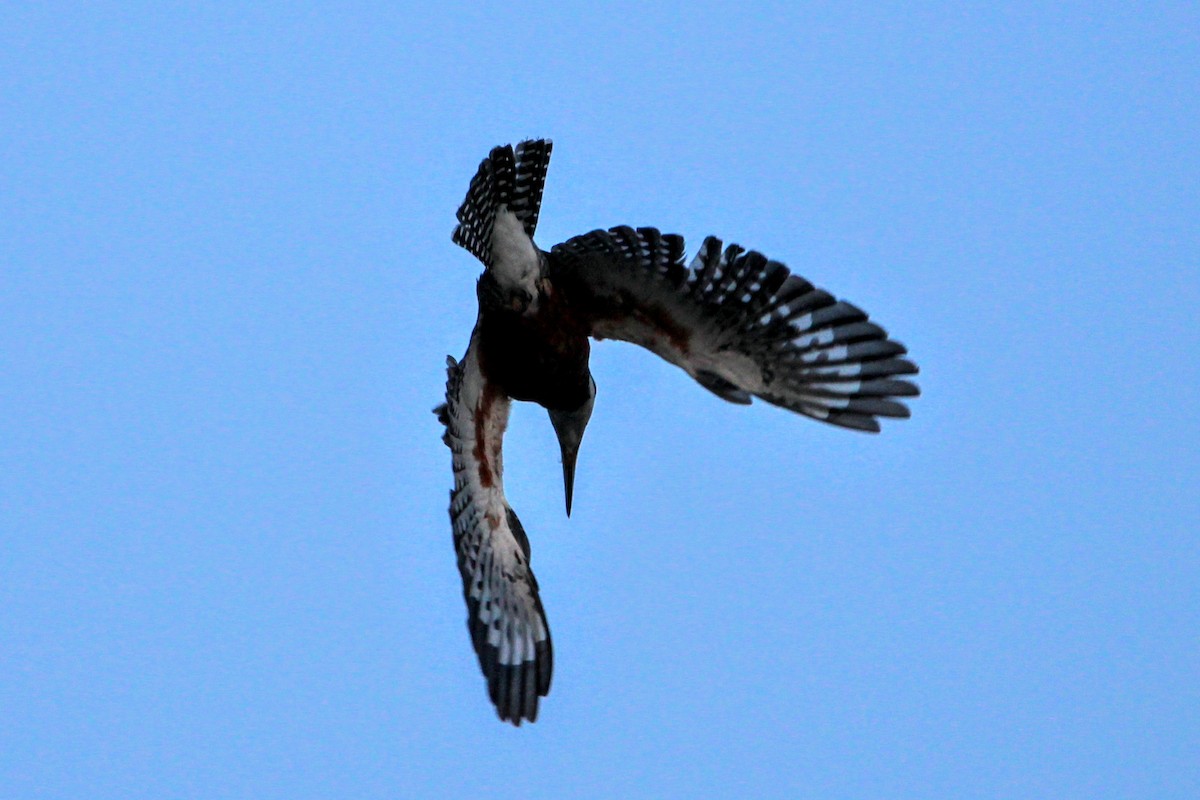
<point x="741" y="325"/>
<point x="504" y="613"/>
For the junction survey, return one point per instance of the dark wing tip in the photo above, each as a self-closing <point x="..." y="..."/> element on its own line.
<point x="514" y="689"/>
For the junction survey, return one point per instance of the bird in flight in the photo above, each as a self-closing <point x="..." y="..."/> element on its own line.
<point x="740" y="324"/>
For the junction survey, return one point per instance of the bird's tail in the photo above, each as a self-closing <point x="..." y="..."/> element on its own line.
<point x="506" y="178"/>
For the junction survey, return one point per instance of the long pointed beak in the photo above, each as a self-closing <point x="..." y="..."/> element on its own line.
<point x="569" y="454"/>
<point x="569" y="427"/>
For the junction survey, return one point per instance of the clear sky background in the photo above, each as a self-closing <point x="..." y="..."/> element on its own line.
<point x="227" y="290"/>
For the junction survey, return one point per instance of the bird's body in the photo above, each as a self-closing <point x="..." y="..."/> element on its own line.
<point x="540" y="356"/>
<point x="741" y="325"/>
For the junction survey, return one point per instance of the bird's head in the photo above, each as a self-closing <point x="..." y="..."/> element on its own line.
<point x="569" y="426"/>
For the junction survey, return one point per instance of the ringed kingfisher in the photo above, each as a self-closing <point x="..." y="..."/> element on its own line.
<point x="740" y="324"/>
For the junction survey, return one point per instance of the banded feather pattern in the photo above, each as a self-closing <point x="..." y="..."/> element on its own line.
<point x="533" y="161"/>
<point x="742" y="325"/>
<point x="507" y="179"/>
<point x="505" y="618"/>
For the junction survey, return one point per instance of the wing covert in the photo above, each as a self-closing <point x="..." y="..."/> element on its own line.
<point x="740" y="324"/>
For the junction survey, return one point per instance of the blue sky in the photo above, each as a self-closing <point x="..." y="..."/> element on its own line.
<point x="227" y="291"/>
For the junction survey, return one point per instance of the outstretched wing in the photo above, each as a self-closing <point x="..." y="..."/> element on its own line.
<point x="739" y="324"/>
<point x="504" y="613"/>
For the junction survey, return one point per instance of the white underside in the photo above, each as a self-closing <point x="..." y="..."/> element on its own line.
<point x="515" y="263"/>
